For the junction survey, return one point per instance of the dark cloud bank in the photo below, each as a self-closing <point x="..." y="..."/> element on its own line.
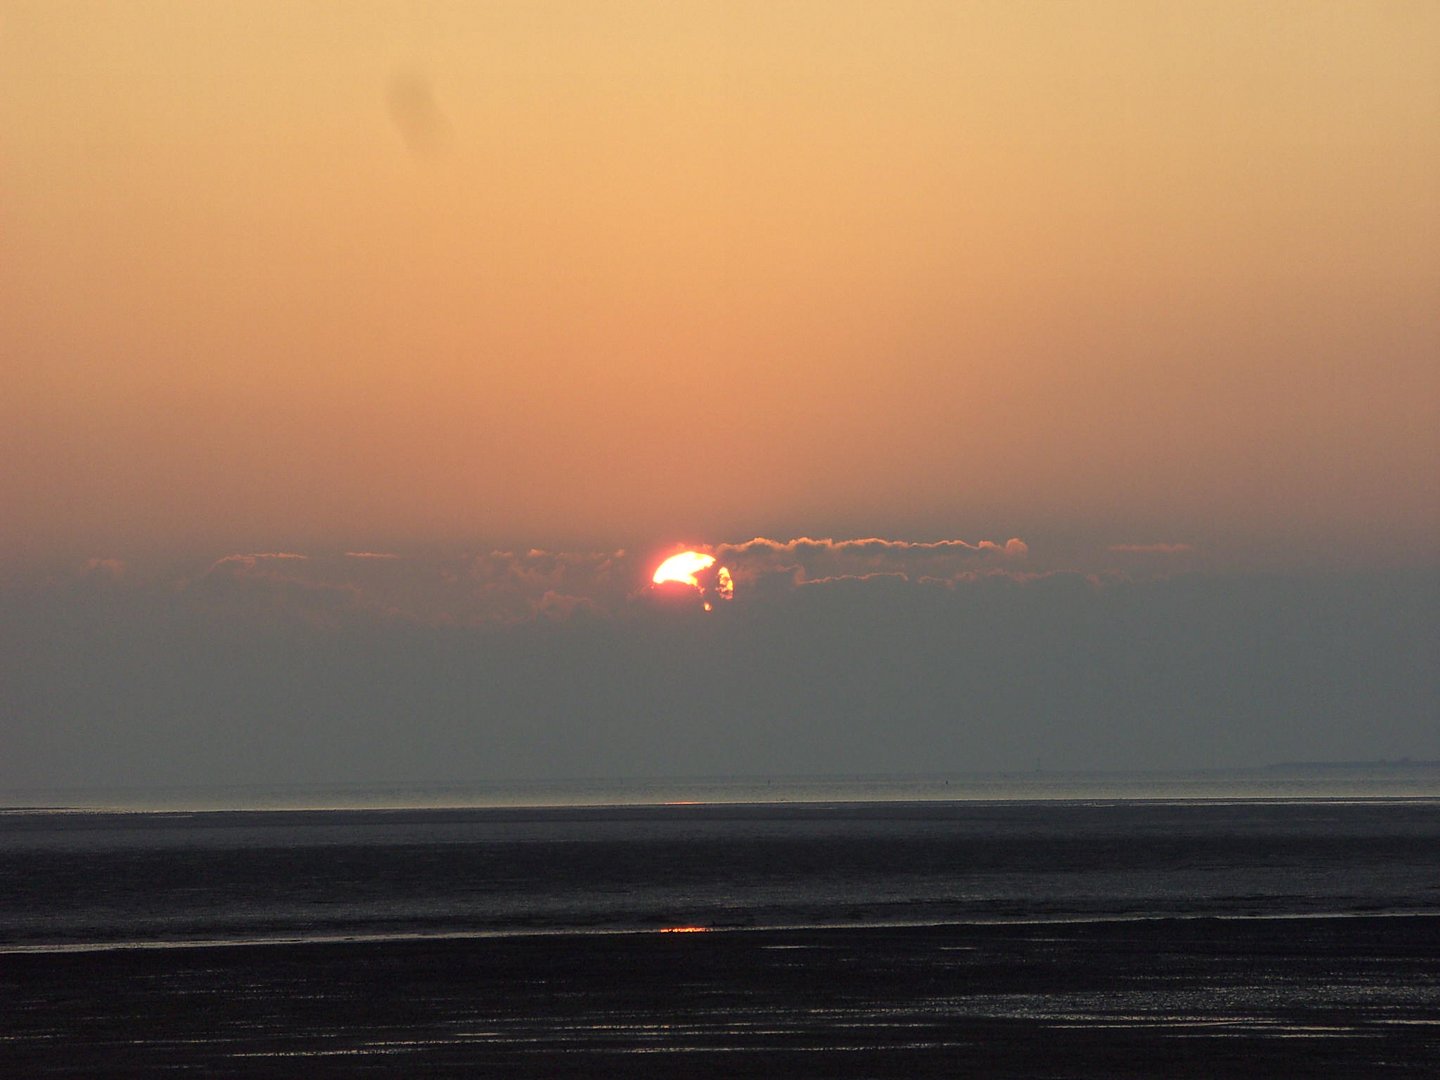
<point x="875" y="658"/>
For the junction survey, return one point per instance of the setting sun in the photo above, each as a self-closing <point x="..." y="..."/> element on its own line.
<point x="683" y="568"/>
<point x="699" y="572"/>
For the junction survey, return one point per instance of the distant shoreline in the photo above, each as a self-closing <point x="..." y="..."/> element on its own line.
<point x="1401" y="763"/>
<point x="1286" y="780"/>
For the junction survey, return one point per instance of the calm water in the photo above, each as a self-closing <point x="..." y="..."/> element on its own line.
<point x="1263" y="924"/>
<point x="83" y="878"/>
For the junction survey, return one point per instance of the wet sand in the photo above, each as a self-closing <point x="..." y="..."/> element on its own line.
<point x="1355" y="996"/>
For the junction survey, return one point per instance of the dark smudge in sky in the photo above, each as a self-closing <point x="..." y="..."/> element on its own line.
<point x="416" y="114"/>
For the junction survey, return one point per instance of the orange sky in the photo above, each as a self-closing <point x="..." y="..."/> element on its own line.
<point x="285" y="273"/>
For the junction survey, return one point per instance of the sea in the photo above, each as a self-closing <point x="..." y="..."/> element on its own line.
<point x="1013" y="924"/>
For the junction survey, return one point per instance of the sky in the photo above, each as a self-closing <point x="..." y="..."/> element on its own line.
<point x="1060" y="383"/>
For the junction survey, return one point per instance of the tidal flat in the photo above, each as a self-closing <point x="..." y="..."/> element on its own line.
<point x="1192" y="997"/>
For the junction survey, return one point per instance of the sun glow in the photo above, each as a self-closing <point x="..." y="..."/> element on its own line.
<point x="700" y="572"/>
<point x="684" y="567"/>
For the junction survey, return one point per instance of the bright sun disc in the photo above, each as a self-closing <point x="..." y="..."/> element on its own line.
<point x="683" y="568"/>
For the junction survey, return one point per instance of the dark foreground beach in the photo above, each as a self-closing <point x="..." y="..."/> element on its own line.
<point x="1063" y="938"/>
<point x="1201" y="997"/>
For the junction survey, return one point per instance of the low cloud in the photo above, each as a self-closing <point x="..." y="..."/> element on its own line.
<point x="109" y="570"/>
<point x="245" y="562"/>
<point x="810" y="561"/>
<point x="444" y="666"/>
<point x="511" y="585"/>
<point x="1151" y="549"/>
<point x="888" y="577"/>
<point x="503" y="587"/>
<point x="273" y="587"/>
